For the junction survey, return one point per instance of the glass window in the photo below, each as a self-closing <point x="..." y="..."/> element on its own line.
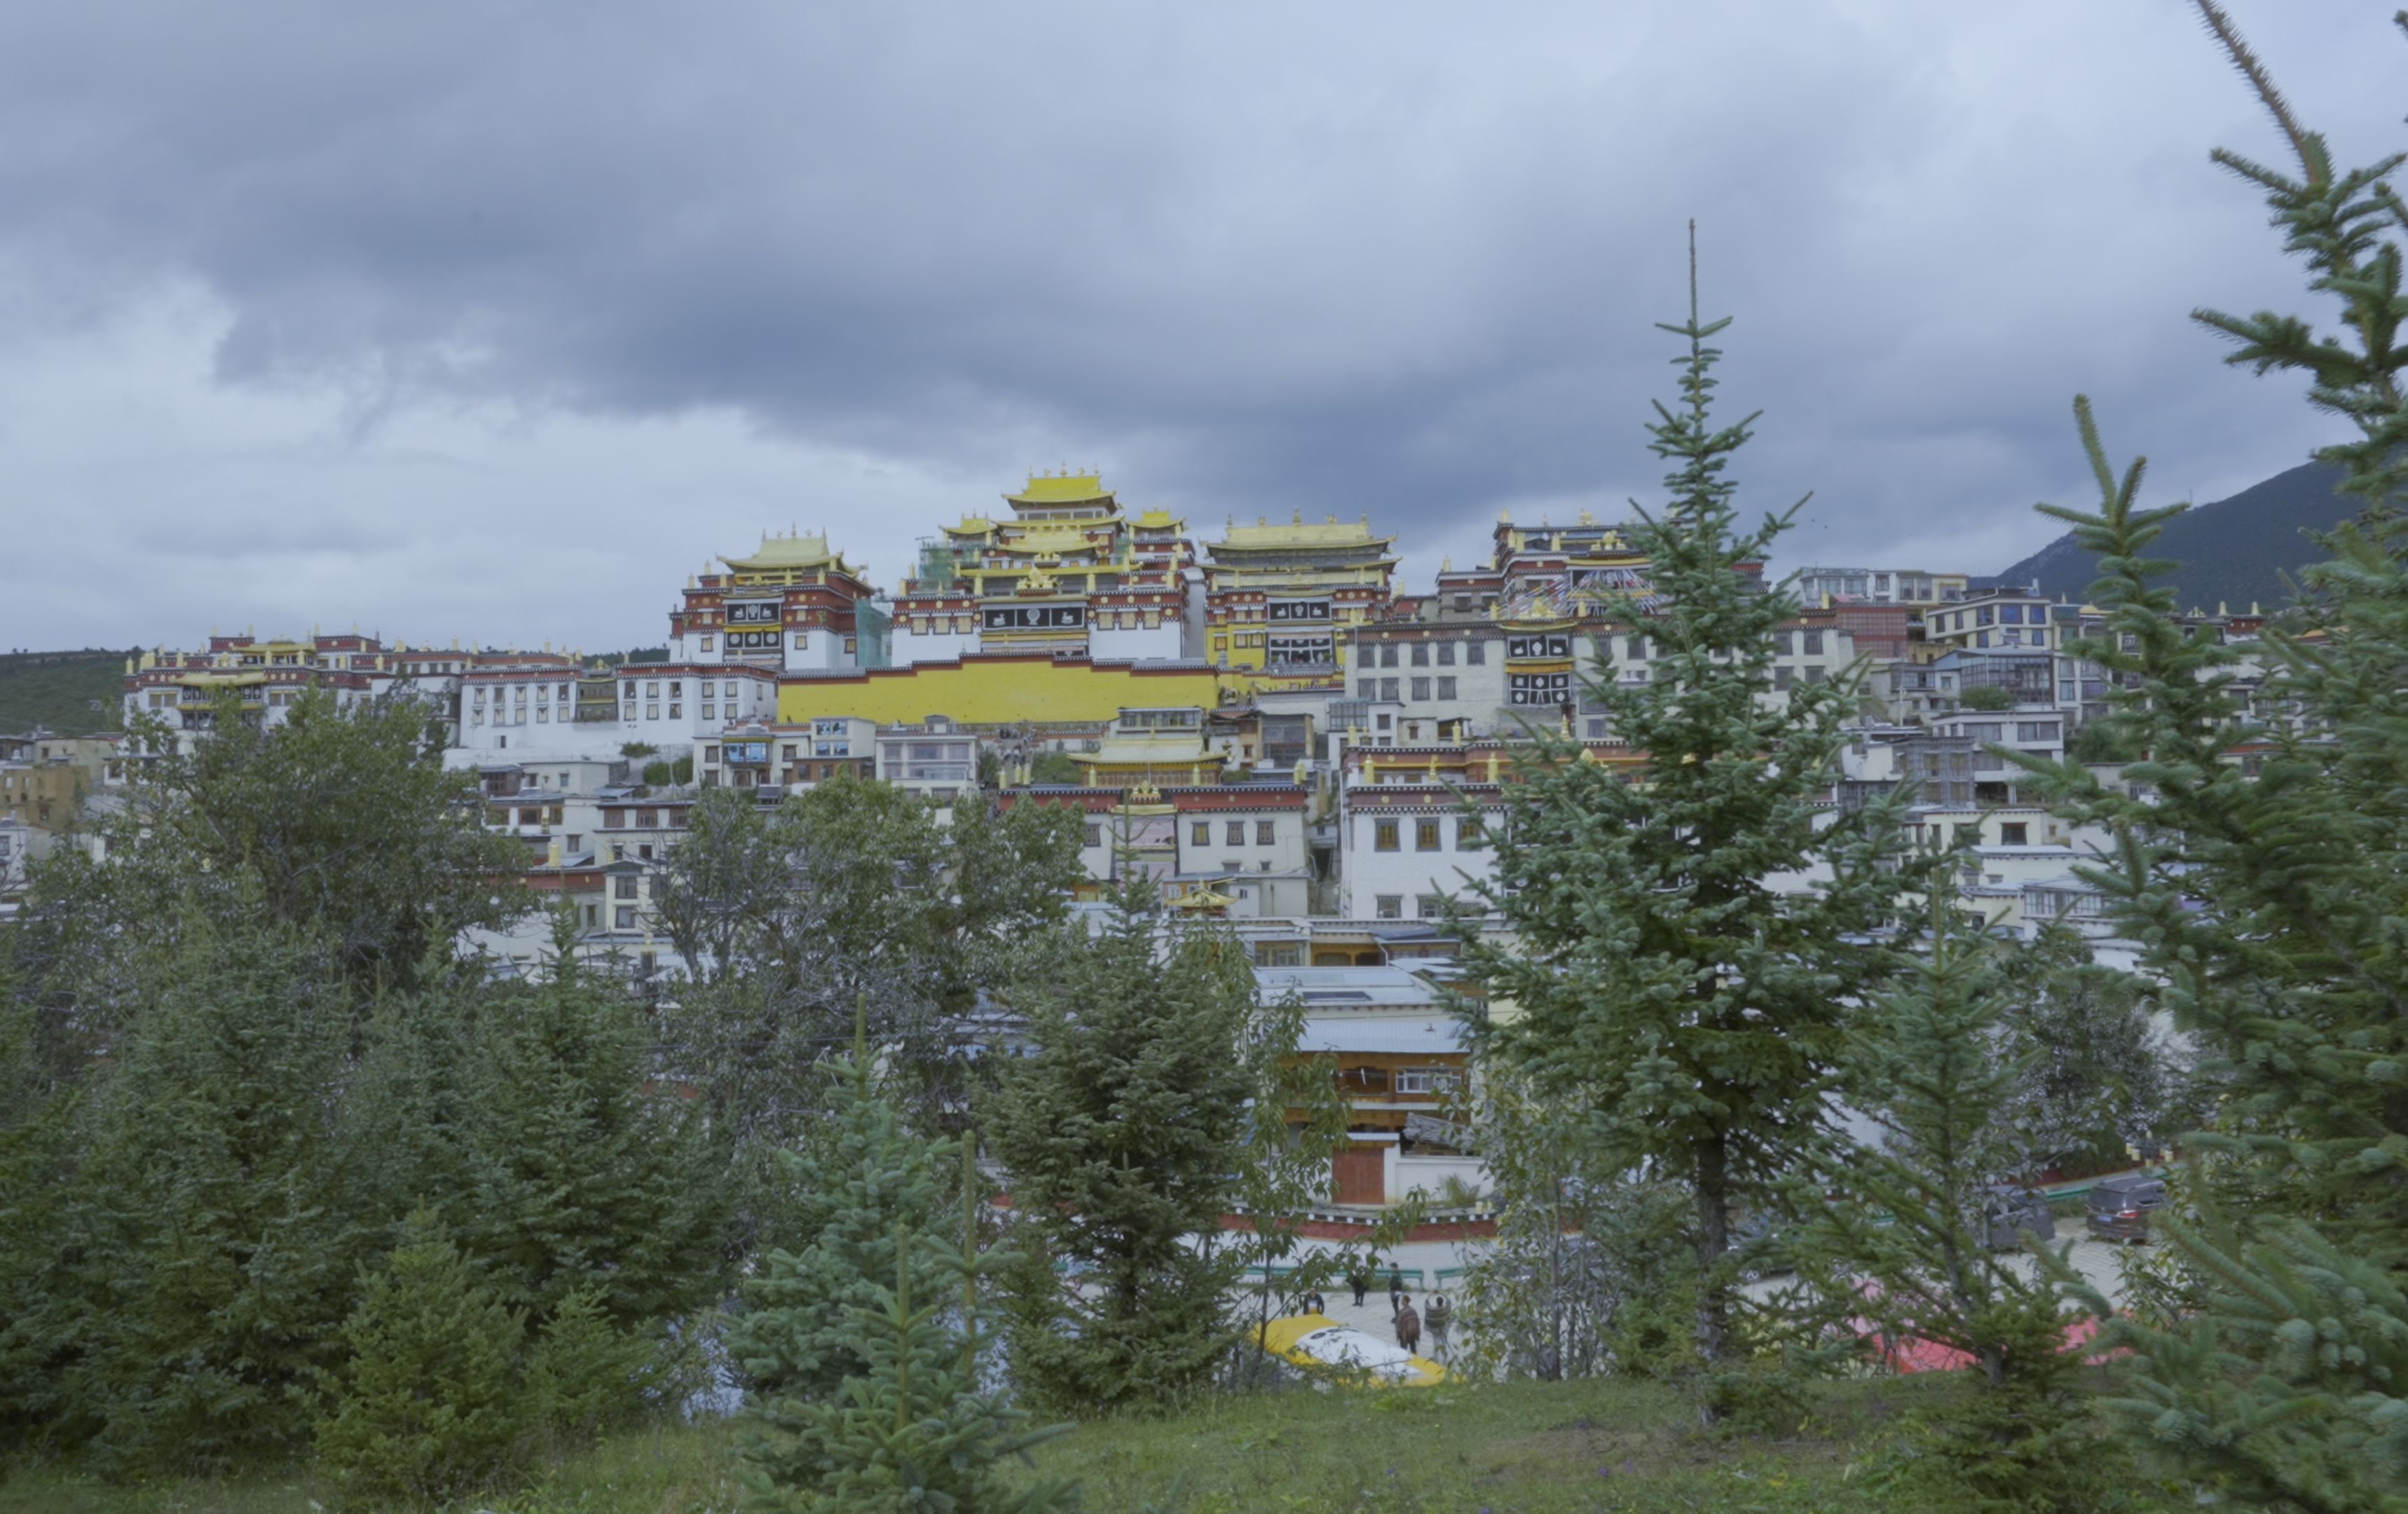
<point x="1389" y="906"/>
<point x="1383" y="835"/>
<point x="1469" y="837"/>
<point x="1475" y="653"/>
<point x="1814" y="643"/>
<point x="1446" y="688"/>
<point x="1237" y="834"/>
<point x="1388" y="655"/>
<point x="1095" y="836"/>
<point x="1387" y="688"/>
<point x="1430" y="906"/>
<point x="1421" y="688"/>
<point x="1263" y="832"/>
<point x="1365" y="657"/>
<point x="1425" y="836"/>
<point x="625" y="917"/>
<point x="1200" y="833"/>
<point x="706" y="643"/>
<point x="1446" y="654"/>
<point x="1421" y="654"/>
<point x="1371" y="688"/>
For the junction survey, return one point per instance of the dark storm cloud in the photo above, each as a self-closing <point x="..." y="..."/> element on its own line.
<point x="1388" y="258"/>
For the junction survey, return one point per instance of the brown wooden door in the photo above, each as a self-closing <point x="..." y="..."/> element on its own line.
<point x="1361" y="1176"/>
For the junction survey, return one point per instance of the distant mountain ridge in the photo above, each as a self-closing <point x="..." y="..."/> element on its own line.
<point x="2234" y="551"/>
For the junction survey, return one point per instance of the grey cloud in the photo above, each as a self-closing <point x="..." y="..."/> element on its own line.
<point x="1401" y="259"/>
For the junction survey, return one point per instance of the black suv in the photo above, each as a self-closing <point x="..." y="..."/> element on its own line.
<point x="2120" y="1205"/>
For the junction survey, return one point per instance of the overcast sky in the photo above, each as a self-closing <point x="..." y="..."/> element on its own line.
<point x="495" y="320"/>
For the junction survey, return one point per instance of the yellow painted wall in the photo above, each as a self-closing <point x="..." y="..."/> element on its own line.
<point x="982" y="691"/>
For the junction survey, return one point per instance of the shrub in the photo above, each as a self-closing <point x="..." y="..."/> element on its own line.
<point x="429" y="1403"/>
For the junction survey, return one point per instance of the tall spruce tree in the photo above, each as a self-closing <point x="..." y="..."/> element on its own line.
<point x="913" y="1429"/>
<point x="217" y="1246"/>
<point x="585" y="1169"/>
<point x="1120" y="1132"/>
<point x="1930" y="1063"/>
<point x="2269" y="897"/>
<point x="864" y="1178"/>
<point x="862" y="1347"/>
<point x="429" y="1402"/>
<point x="37" y="1170"/>
<point x="1668" y="995"/>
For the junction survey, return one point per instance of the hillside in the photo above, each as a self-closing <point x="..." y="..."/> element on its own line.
<point x="1528" y="1447"/>
<point x="73" y="693"/>
<point x="2234" y="551"/>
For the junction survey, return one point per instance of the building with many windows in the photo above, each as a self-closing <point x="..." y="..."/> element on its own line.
<point x="1068" y="572"/>
<point x="794" y="605"/>
<point x="1279" y="601"/>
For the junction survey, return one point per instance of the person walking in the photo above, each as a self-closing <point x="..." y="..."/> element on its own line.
<point x="1360" y="1281"/>
<point x="1438" y="1316"/>
<point x="1408" y="1326"/>
<point x="1396" y="1287"/>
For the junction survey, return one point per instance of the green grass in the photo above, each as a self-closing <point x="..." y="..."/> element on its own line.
<point x="1518" y="1448"/>
<point x="55" y="690"/>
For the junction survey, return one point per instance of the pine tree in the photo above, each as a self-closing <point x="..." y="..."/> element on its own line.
<point x="862" y="1347"/>
<point x="585" y="1373"/>
<point x="584" y="1169"/>
<point x="1666" y="992"/>
<point x="37" y="1169"/>
<point x="2269" y="902"/>
<point x="866" y="1179"/>
<point x="430" y="1403"/>
<point x="2099" y="1078"/>
<point x="1927" y="1063"/>
<point x="913" y="1429"/>
<point x="1120" y="1130"/>
<point x="219" y="1252"/>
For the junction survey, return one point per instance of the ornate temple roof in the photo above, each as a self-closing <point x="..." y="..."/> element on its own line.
<point x="779" y="553"/>
<point x="1063" y="489"/>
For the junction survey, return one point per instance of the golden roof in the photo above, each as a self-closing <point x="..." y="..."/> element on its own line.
<point x="1061" y="489"/>
<point x="1262" y="536"/>
<point x="780" y="553"/>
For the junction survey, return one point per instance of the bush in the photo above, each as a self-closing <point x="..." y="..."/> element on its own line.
<point x="429" y="1405"/>
<point x="586" y="1375"/>
<point x="1987" y="696"/>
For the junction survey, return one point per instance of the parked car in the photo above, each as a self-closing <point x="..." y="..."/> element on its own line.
<point x="2120" y="1205"/>
<point x="1330" y="1351"/>
<point x="2013" y="1212"/>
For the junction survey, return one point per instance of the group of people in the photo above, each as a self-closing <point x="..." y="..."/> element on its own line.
<point x="1409" y="1323"/>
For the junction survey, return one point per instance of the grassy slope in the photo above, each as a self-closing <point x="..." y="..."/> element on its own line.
<point x="1526" y="1448"/>
<point x="54" y="690"/>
